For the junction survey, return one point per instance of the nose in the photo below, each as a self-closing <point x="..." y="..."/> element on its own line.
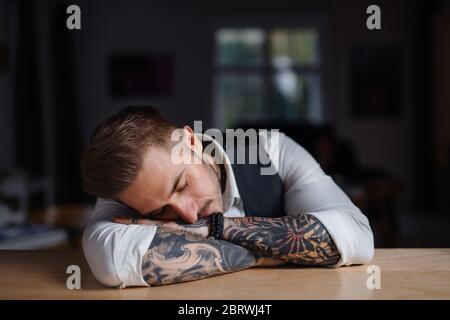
<point x="187" y="210"/>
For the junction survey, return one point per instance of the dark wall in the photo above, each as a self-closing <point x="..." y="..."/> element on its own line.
<point x="72" y="74"/>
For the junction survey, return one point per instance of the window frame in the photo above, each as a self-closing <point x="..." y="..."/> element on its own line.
<point x="266" y="69"/>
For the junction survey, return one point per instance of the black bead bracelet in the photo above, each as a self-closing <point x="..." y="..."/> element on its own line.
<point x="216" y="225"/>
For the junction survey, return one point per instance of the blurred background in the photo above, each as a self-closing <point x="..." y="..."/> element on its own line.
<point x="372" y="106"/>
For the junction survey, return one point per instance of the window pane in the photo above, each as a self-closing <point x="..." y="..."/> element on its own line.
<point x="296" y="97"/>
<point x="294" y="47"/>
<point x="239" y="47"/>
<point x="239" y="98"/>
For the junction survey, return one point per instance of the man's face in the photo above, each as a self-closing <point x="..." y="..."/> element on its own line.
<point x="166" y="190"/>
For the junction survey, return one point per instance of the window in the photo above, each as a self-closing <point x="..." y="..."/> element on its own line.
<point x="266" y="74"/>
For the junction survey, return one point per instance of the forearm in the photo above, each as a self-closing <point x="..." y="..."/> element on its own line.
<point x="300" y="240"/>
<point x="175" y="256"/>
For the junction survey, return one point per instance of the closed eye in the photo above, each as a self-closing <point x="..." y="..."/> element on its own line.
<point x="183" y="188"/>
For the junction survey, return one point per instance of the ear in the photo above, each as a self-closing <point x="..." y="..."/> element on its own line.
<point x="193" y="142"/>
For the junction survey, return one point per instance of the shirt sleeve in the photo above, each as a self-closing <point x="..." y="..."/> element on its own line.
<point x="309" y="190"/>
<point x="114" y="251"/>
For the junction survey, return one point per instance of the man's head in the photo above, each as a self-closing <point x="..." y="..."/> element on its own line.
<point x="129" y="159"/>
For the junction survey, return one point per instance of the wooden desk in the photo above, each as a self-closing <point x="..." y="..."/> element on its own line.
<point x="405" y="274"/>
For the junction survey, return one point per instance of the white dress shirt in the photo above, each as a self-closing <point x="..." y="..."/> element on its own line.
<point x="114" y="251"/>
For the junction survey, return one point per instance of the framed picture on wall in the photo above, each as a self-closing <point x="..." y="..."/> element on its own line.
<point x="376" y="82"/>
<point x="141" y="75"/>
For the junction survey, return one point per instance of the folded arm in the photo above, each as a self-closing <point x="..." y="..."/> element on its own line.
<point x="299" y="240"/>
<point x="124" y="254"/>
<point x="175" y="256"/>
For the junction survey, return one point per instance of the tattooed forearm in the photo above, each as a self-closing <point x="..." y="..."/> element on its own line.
<point x="301" y="240"/>
<point x="175" y="256"/>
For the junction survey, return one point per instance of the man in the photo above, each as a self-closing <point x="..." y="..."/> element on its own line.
<point x="158" y="219"/>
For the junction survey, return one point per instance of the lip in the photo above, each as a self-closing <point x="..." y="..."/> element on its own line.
<point x="204" y="213"/>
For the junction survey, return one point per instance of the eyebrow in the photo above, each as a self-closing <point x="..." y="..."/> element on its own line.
<point x="172" y="191"/>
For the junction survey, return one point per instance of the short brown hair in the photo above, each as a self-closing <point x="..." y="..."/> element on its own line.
<point x="115" y="153"/>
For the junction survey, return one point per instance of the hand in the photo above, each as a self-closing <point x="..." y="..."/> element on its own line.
<point x="199" y="228"/>
<point x="268" y="262"/>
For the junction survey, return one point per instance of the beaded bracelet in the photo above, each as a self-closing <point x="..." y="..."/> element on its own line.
<point x="216" y="225"/>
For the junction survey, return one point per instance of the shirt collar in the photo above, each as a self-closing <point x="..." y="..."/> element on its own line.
<point x="231" y="192"/>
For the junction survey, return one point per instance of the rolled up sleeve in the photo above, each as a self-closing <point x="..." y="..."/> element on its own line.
<point x="309" y="190"/>
<point x="114" y="251"/>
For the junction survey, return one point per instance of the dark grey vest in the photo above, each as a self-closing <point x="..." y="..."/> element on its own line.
<point x="262" y="195"/>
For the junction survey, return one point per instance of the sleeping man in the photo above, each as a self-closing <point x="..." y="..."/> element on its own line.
<point x="175" y="205"/>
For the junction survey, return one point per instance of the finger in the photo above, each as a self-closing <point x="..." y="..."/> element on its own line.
<point x="123" y="220"/>
<point x="120" y="217"/>
<point x="127" y="220"/>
